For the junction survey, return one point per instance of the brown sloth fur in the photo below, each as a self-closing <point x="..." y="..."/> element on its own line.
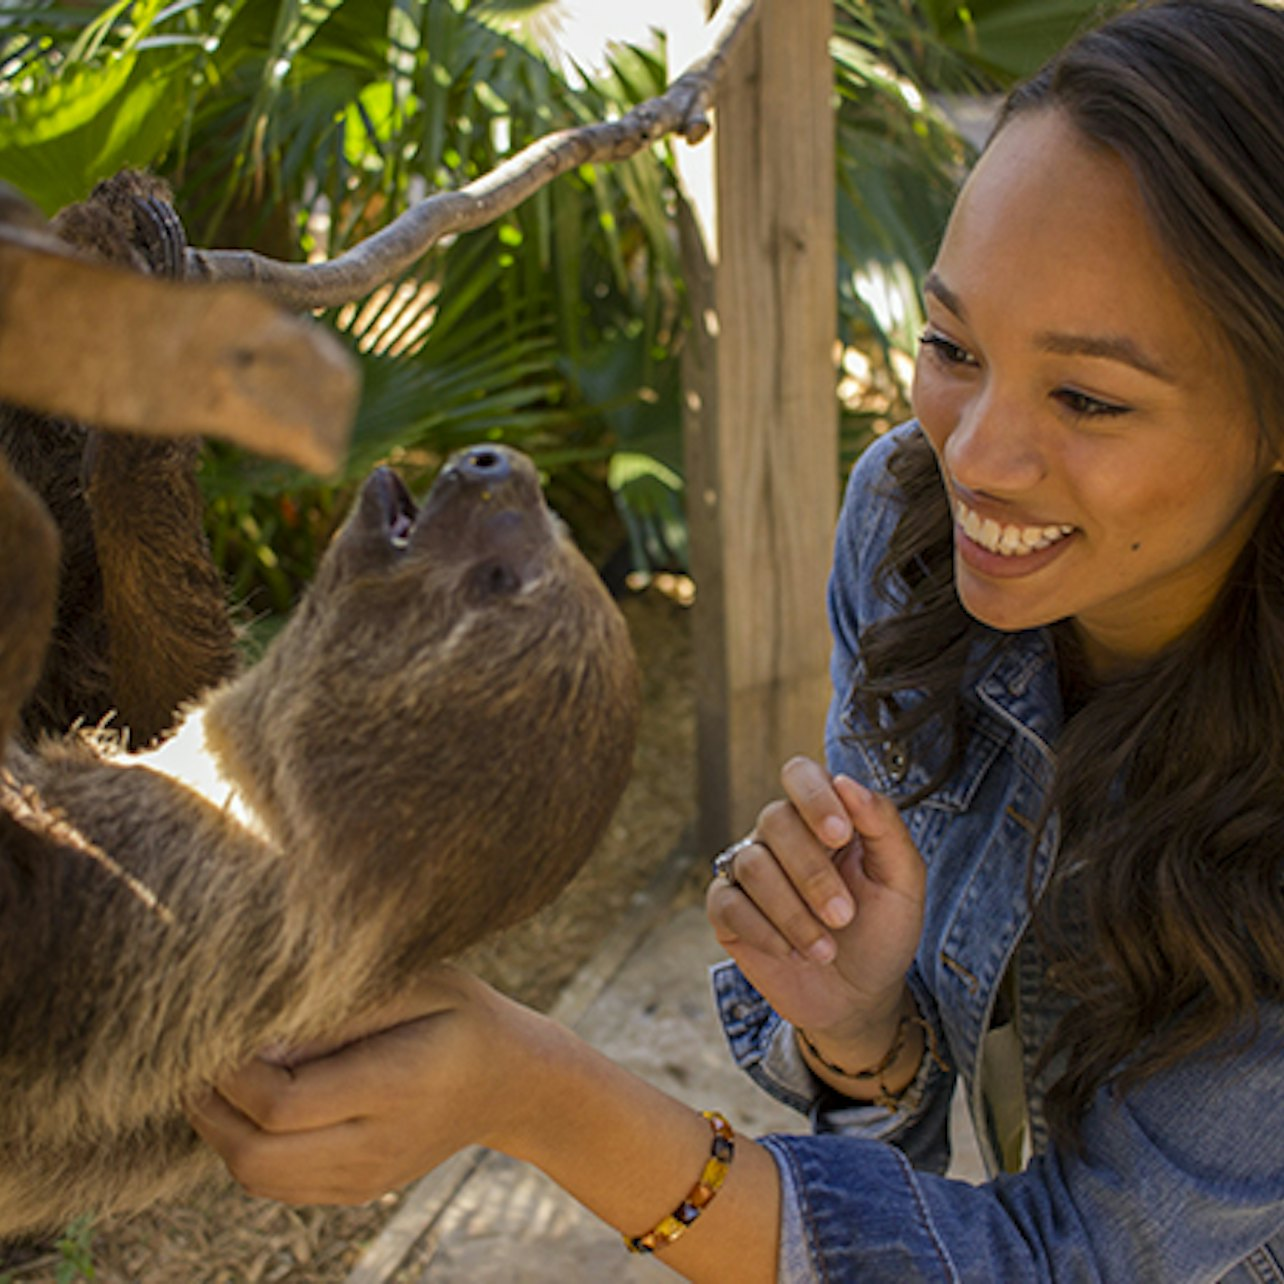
<point x="426" y="753"/>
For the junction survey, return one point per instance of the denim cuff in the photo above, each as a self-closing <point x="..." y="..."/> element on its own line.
<point x="851" y="1209"/>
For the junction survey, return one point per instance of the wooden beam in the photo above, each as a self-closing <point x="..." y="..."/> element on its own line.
<point x="120" y="350"/>
<point x="762" y="423"/>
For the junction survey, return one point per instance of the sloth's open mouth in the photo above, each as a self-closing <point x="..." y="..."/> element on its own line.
<point x="481" y="496"/>
<point x="399" y="508"/>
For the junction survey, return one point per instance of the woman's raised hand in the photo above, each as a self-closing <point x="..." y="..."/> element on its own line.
<point x="823" y="909"/>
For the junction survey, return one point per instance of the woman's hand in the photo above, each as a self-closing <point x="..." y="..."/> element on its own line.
<point x="379" y="1111"/>
<point x="826" y="909"/>
<point x="460" y="1064"/>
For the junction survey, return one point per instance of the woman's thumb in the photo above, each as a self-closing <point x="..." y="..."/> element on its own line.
<point x="890" y="857"/>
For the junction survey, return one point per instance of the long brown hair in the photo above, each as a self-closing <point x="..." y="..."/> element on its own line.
<point x="1166" y="910"/>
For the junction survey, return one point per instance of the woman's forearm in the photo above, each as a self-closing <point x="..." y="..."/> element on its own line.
<point x="631" y="1154"/>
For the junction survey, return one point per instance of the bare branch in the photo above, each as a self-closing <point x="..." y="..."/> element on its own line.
<point x="682" y="109"/>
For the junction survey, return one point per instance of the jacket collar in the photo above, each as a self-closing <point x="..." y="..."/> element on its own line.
<point x="1017" y="681"/>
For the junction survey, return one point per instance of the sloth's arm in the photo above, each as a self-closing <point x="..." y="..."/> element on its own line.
<point x="28" y="592"/>
<point x="142" y="624"/>
<point x="169" y="635"/>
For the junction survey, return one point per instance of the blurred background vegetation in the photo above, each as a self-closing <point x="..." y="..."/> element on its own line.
<point x="298" y="128"/>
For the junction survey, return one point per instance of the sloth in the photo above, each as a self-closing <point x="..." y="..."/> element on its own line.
<point x="426" y="753"/>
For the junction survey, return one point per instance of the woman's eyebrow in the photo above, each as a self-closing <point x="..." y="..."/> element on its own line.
<point x="932" y="284"/>
<point x="1110" y="347"/>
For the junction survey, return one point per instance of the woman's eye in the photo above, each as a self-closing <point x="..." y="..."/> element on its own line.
<point x="943" y="349"/>
<point x="1083" y="406"/>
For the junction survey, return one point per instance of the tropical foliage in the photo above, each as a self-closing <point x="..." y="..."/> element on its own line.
<point x="300" y="126"/>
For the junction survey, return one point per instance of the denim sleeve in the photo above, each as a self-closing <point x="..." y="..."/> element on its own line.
<point x="865" y="524"/>
<point x="1178" y="1181"/>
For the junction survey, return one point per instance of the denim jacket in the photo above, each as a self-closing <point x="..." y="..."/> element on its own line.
<point x="1180" y="1180"/>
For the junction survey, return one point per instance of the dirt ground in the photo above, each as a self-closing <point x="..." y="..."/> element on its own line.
<point x="225" y="1237"/>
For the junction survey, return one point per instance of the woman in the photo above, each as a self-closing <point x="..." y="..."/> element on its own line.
<point x="1077" y="545"/>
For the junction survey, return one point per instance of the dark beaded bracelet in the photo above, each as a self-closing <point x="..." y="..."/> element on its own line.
<point x="721" y="1152"/>
<point x="888" y="1100"/>
<point x="873" y="1072"/>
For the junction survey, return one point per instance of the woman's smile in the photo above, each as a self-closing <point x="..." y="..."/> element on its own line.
<point x="1008" y="540"/>
<point x="1006" y="548"/>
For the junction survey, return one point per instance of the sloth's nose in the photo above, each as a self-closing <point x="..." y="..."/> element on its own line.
<point x="484" y="466"/>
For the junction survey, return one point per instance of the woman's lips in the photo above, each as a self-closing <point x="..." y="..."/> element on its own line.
<point x="1010" y="540"/>
<point x="1005" y="550"/>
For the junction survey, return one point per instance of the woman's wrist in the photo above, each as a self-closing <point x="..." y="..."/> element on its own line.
<point x="634" y="1156"/>
<point x="867" y="1032"/>
<point x="874" y="1060"/>
<point x="527" y="1067"/>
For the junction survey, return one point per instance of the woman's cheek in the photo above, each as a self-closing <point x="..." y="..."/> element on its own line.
<point x="936" y="404"/>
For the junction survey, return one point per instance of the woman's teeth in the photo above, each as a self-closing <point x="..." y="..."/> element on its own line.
<point x="1007" y="541"/>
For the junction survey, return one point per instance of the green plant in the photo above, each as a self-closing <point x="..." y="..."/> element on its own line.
<point x="75" y="1252"/>
<point x="71" y="1258"/>
<point x="298" y="127"/>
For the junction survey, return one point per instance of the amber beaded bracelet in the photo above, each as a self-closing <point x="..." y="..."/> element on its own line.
<point x="721" y="1153"/>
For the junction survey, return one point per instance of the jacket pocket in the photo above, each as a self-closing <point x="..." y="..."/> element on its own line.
<point x="1264" y="1265"/>
<point x="901" y="768"/>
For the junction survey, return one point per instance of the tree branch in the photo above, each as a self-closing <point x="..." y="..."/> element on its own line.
<point x="682" y="109"/>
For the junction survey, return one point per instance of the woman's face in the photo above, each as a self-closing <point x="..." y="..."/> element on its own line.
<point x="1094" y="432"/>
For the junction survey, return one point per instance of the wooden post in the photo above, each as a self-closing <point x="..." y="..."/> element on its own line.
<point x="761" y="412"/>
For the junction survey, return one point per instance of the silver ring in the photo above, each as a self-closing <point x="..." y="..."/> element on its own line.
<point x="724" y="863"/>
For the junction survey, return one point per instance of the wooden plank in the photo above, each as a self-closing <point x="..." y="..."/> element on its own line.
<point x="762" y="442"/>
<point x="119" y="350"/>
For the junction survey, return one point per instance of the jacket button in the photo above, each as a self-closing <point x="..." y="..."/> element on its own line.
<point x="896" y="760"/>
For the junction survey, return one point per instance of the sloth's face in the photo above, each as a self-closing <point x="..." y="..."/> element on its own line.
<point x="404" y="584"/>
<point x="483" y="524"/>
<point x="456" y="697"/>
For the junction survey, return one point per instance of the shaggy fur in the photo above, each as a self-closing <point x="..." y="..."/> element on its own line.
<point x="427" y="753"/>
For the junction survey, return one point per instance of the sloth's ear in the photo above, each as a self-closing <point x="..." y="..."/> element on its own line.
<point x="29" y="549"/>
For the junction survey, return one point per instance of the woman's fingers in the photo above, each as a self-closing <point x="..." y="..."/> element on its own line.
<point x="810" y="788"/>
<point x="765" y="911"/>
<point x="825" y="933"/>
<point x="738" y="922"/>
<point x="807" y="863"/>
<point x="342" y="1163"/>
<point x="255" y="1153"/>
<point x="805" y="832"/>
<point x="268" y="1096"/>
<point x="790" y="889"/>
<point x="339" y="1129"/>
<point x="786" y="890"/>
<point x="788" y="874"/>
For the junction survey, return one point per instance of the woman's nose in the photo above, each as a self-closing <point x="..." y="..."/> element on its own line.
<point x="995" y="449"/>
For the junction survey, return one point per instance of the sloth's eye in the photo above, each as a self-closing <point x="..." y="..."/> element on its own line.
<point x="494" y="579"/>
